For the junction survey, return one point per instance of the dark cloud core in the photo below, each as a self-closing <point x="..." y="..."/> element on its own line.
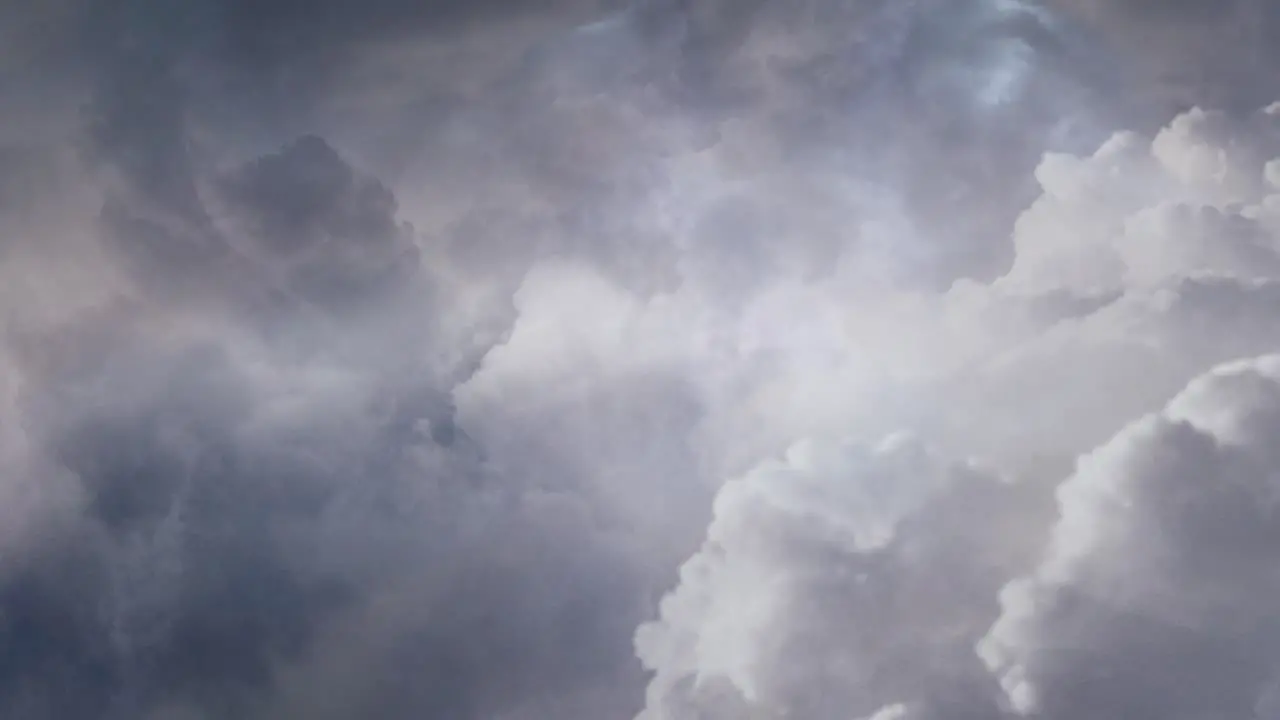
<point x="652" y="359"/>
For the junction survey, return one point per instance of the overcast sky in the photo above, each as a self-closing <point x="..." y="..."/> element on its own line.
<point x="639" y="360"/>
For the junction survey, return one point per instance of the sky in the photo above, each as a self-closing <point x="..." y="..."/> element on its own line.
<point x="639" y="360"/>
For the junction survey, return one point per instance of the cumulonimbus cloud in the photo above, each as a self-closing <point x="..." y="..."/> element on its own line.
<point x="396" y="360"/>
<point x="1109" y="620"/>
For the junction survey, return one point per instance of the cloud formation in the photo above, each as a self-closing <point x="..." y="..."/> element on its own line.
<point x="1169" y="254"/>
<point x="838" y="581"/>
<point x="1154" y="596"/>
<point x="396" y="359"/>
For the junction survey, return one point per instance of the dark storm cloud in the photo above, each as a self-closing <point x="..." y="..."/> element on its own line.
<point x="1178" y="54"/>
<point x="933" y="99"/>
<point x="177" y="585"/>
<point x="231" y="536"/>
<point x="213" y="551"/>
<point x="333" y="232"/>
<point x="276" y="40"/>
<point x="299" y="226"/>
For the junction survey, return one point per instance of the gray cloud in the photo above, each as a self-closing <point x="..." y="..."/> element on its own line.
<point x="240" y="510"/>
<point x="1181" y="54"/>
<point x="384" y="359"/>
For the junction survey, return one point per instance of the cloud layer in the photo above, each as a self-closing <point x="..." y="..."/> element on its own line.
<point x="402" y="359"/>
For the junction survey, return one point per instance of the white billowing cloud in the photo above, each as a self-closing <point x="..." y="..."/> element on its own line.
<point x="1143" y="274"/>
<point x="836" y="581"/>
<point x="1139" y="211"/>
<point x="1076" y="383"/>
<point x="1156" y="596"/>
<point x="1131" y="276"/>
<point x="594" y="392"/>
<point x="1138" y="269"/>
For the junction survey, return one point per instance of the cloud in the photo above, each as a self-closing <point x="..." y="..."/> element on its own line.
<point x="1031" y="369"/>
<point x="237" y="475"/>
<point x="390" y="359"/>
<point x="1169" y="255"/>
<point x="1183" y="54"/>
<point x="328" y="233"/>
<point x="1153" y="597"/>
<point x="838" y="580"/>
<point x="250" y="520"/>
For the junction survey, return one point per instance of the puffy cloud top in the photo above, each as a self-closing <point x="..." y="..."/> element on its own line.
<point x="1154" y="596"/>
